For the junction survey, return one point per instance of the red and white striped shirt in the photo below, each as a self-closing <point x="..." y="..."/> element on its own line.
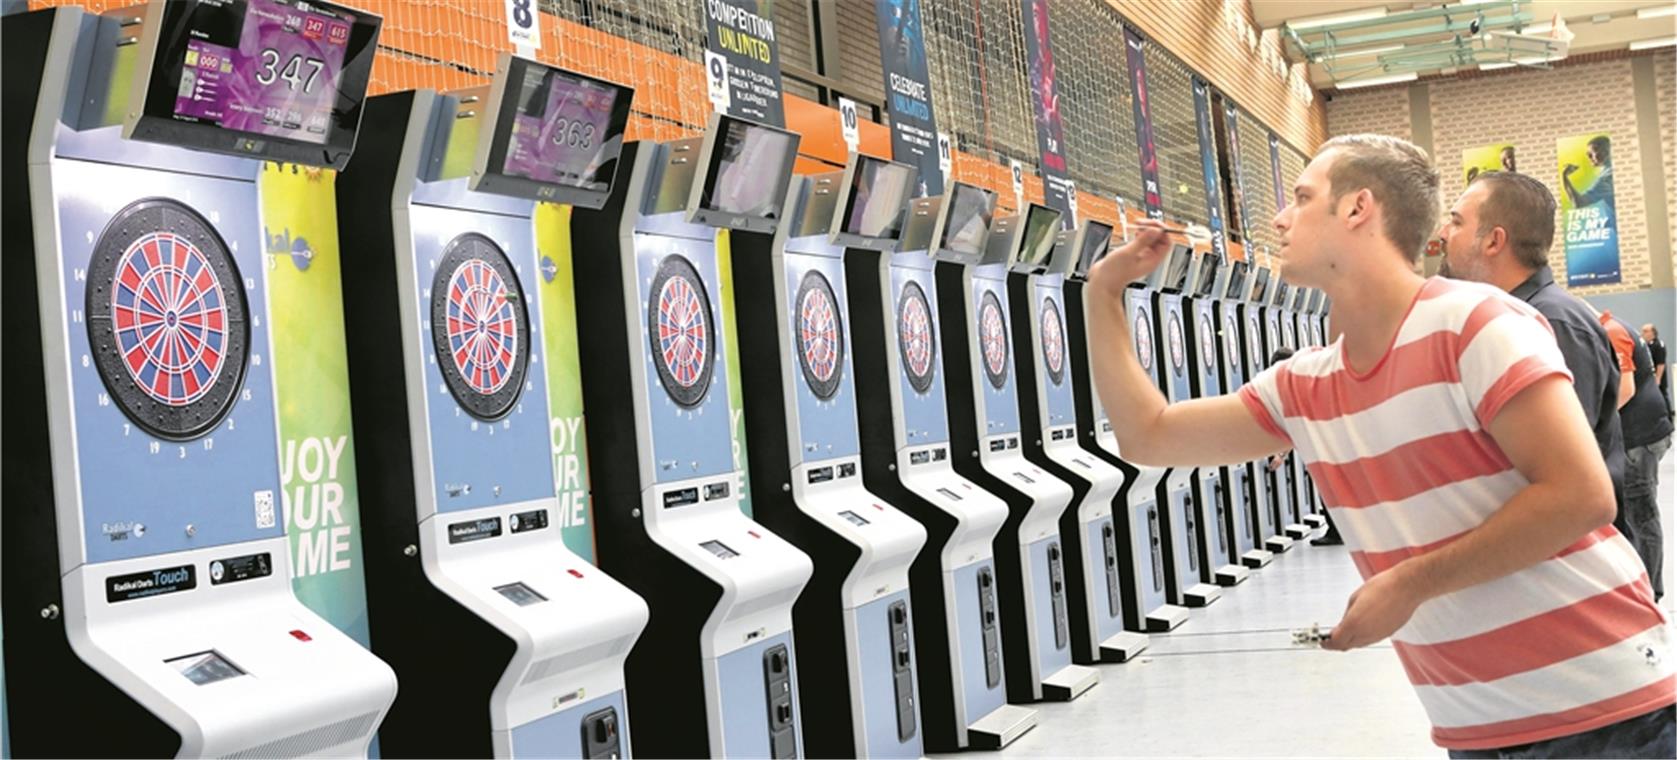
<point x="1402" y="456"/>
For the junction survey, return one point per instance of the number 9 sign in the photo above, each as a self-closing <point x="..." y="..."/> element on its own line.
<point x="717" y="68"/>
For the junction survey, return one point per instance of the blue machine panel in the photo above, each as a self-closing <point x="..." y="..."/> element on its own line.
<point x="1205" y="337"/>
<point x="820" y="335"/>
<point x="1176" y="345"/>
<point x="1054" y="358"/>
<point x="1140" y="309"/>
<point x="682" y="322"/>
<point x="994" y="358"/>
<point x="479" y="459"/>
<point x="1050" y="658"/>
<point x="915" y="321"/>
<point x="879" y="687"/>
<point x="173" y="356"/>
<point x="745" y="702"/>
<point x="560" y="735"/>
<point x="1109" y="619"/>
<point x="981" y="699"/>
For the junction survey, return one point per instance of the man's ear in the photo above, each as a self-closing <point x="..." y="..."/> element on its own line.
<point x="1496" y="243"/>
<point x="1357" y="208"/>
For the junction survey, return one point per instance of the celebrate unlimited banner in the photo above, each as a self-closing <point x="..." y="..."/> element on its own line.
<point x="1154" y="205"/>
<point x="742" y="34"/>
<point x="1589" y="218"/>
<point x="1045" y="100"/>
<point x="1208" y="168"/>
<point x="908" y="89"/>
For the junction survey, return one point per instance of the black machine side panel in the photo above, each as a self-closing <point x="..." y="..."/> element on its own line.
<point x="870" y="362"/>
<point x="665" y="669"/>
<point x="48" y="685"/>
<point x="447" y="659"/>
<point x="818" y="615"/>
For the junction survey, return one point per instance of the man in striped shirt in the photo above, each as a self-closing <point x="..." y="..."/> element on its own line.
<point x="1443" y="433"/>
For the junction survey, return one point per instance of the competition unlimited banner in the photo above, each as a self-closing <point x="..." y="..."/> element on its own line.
<point x="311" y="378"/>
<point x="1045" y="102"/>
<point x="908" y="88"/>
<point x="1151" y="202"/>
<point x="1589" y="217"/>
<point x="566" y="425"/>
<point x="1487" y="158"/>
<point x="1231" y="125"/>
<point x="741" y="34"/>
<point x="1208" y="168"/>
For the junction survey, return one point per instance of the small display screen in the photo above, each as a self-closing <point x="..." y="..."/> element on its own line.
<point x="205" y="667"/>
<point x="878" y="201"/>
<point x="967" y="221"/>
<point x="1176" y="277"/>
<point x="520" y="594"/>
<point x="1041" y="224"/>
<point x="720" y="549"/>
<point x="1095" y="243"/>
<point x="1260" y="285"/>
<point x="565" y="129"/>
<point x="749" y="168"/>
<point x="855" y="519"/>
<point x="1210" y="265"/>
<point x="1282" y="289"/>
<point x="1237" y="280"/>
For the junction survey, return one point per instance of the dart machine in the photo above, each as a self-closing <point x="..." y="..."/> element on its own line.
<point x="1238" y="480"/>
<point x="148" y="576"/>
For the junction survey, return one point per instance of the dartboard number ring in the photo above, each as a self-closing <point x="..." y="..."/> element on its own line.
<point x="916" y="341"/>
<point x="167" y="319"/>
<point x="820" y="334"/>
<point x="480" y="326"/>
<point x="1053" y="341"/>
<point x="992" y="339"/>
<point x="682" y="331"/>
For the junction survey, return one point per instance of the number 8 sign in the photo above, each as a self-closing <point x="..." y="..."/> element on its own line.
<point x="524" y="24"/>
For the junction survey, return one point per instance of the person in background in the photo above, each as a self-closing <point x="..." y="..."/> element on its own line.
<point x="1508" y="159"/>
<point x="1442" y="429"/>
<point x="1656" y="349"/>
<point x="1647" y="437"/>
<point x="1600" y="155"/>
<point x="1331" y="536"/>
<point x="1499" y="233"/>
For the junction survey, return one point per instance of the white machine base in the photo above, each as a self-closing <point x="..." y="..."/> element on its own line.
<point x="1278" y="544"/>
<point x="1123" y="647"/>
<point x="1070" y="683"/>
<point x="1315" y="521"/>
<point x="1166" y="618"/>
<point x="1000" y="727"/>
<point x="1232" y="575"/>
<point x="1257" y="558"/>
<point x="1297" y="532"/>
<point x="1201" y="595"/>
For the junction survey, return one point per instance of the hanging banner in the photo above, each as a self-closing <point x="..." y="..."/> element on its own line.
<point x="908" y="91"/>
<point x="741" y="32"/>
<point x="1275" y="172"/>
<point x="1487" y="158"/>
<point x="1143" y="125"/>
<point x="1231" y="125"/>
<point x="1589" y="218"/>
<point x="1208" y="168"/>
<point x="311" y="379"/>
<point x="1045" y="101"/>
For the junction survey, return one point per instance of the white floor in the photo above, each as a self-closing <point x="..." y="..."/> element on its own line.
<point x="1230" y="682"/>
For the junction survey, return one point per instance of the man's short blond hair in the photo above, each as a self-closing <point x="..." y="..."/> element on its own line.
<point x="1401" y="178"/>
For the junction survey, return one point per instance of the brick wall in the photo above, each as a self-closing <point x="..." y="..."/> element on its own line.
<point x="1665" y="80"/>
<point x="1532" y="109"/>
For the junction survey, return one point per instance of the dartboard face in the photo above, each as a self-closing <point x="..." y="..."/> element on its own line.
<point x="820" y="335"/>
<point x="1176" y="357"/>
<point x="1053" y="341"/>
<point x="1231" y="341"/>
<point x="1208" y="343"/>
<point x="992" y="339"/>
<point x="1144" y="339"/>
<point x="683" y="331"/>
<point x="915" y="340"/>
<point x="167" y="319"/>
<point x="480" y="326"/>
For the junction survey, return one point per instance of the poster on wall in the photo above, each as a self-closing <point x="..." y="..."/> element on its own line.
<point x="311" y="377"/>
<point x="908" y="89"/>
<point x="1143" y="114"/>
<point x="1275" y="172"/>
<point x="1487" y="158"/>
<point x="1208" y="168"/>
<point x="1045" y="101"/>
<point x="740" y="34"/>
<point x="1589" y="218"/>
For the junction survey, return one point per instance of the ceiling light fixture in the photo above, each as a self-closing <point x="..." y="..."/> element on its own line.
<point x="1651" y="44"/>
<point x="1377" y="81"/>
<point x="1341" y="18"/>
<point x="1656" y="11"/>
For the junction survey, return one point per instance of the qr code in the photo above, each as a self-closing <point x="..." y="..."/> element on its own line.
<point x="264" y="509"/>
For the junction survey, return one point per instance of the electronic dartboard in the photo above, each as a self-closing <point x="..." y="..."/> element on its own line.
<point x="1144" y="339"/>
<point x="1053" y="341"/>
<point x="1231" y="341"/>
<point x="167" y="319"/>
<point x="1208" y="343"/>
<point x="820" y="335"/>
<point x="682" y="330"/>
<point x="915" y="339"/>
<point x="992" y="339"/>
<point x="1175" y="338"/>
<point x="480" y="326"/>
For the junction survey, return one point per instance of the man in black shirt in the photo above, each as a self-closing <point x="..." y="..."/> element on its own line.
<point x="1656" y="348"/>
<point x="1499" y="233"/>
<point x="1647" y="430"/>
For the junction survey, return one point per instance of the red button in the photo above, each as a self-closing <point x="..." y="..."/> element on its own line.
<point x="300" y="636"/>
<point x="577" y="573"/>
<point x="878" y="507"/>
<point x="753" y="534"/>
